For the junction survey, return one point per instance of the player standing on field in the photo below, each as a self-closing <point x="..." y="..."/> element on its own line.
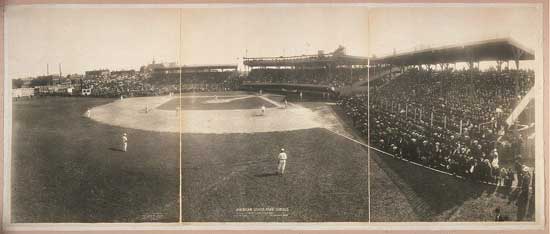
<point x="282" y="162"/>
<point x="263" y="110"/>
<point x="124" y="142"/>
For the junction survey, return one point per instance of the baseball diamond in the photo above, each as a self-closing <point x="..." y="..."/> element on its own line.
<point x="341" y="116"/>
<point x="88" y="179"/>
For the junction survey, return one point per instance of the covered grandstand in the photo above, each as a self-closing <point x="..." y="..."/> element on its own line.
<point x="499" y="50"/>
<point x="333" y="69"/>
<point x="421" y="107"/>
<point x="339" y="70"/>
<point x="472" y="123"/>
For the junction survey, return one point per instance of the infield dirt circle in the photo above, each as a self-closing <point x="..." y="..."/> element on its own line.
<point x="207" y="114"/>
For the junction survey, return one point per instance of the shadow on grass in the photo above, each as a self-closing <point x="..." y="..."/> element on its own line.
<point x="116" y="149"/>
<point x="432" y="194"/>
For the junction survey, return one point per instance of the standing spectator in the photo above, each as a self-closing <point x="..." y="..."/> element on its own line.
<point x="526" y="177"/>
<point x="519" y="172"/>
<point x="509" y="178"/>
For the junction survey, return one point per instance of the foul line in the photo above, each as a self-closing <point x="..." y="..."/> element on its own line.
<point x="415" y="163"/>
<point x="270" y="101"/>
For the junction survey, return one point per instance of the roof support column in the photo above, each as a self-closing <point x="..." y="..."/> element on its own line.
<point x="470" y="64"/>
<point x="351" y="73"/>
<point x="470" y="57"/>
<point x="499" y="65"/>
<point x="517" y="55"/>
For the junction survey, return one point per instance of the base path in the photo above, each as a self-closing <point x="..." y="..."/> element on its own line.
<point x="130" y="113"/>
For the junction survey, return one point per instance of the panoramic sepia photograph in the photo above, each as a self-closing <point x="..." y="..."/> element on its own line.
<point x="273" y="114"/>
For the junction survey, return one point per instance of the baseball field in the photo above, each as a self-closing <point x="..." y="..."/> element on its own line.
<point x="69" y="167"/>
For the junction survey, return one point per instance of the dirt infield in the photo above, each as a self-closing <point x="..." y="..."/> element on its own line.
<point x="131" y="113"/>
<point x="215" y="103"/>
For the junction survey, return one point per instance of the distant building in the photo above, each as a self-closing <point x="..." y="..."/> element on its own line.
<point x="55" y="89"/>
<point x="75" y="76"/>
<point x="97" y="74"/>
<point x="123" y="73"/>
<point x="149" y="68"/>
<point x="22" y="92"/>
<point x="47" y="80"/>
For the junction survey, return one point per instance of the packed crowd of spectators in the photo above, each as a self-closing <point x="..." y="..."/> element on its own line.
<point x="116" y="85"/>
<point x="130" y="84"/>
<point x="198" y="81"/>
<point x="318" y="76"/>
<point x="449" y="120"/>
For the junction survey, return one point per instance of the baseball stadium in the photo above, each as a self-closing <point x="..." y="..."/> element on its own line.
<point x="404" y="138"/>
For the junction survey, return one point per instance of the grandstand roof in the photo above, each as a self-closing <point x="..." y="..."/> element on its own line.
<point x="199" y="67"/>
<point x="305" y="60"/>
<point x="504" y="49"/>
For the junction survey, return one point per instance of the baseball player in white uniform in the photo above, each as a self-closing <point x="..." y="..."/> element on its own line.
<point x="263" y="109"/>
<point x="282" y="162"/>
<point x="89" y="113"/>
<point x="124" y="142"/>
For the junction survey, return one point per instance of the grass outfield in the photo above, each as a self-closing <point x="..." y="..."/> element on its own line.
<point x="325" y="178"/>
<point x="67" y="168"/>
<point x="428" y="195"/>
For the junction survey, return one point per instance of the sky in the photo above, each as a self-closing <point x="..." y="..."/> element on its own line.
<point x="87" y="38"/>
